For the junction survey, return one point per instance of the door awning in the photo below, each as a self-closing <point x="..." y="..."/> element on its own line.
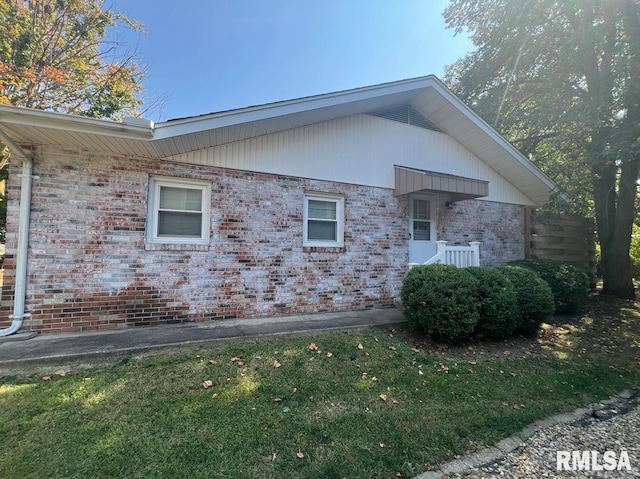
<point x="412" y="180"/>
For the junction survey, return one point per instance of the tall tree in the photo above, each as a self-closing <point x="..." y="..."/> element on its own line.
<point x="559" y="78"/>
<point x="57" y="55"/>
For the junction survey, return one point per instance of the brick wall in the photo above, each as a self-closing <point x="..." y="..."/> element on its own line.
<point x="90" y="267"/>
<point x="498" y="226"/>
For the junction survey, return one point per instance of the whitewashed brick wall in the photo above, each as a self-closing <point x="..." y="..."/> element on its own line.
<point x="89" y="267"/>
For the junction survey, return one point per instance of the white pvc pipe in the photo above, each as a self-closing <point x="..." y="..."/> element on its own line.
<point x="21" y="254"/>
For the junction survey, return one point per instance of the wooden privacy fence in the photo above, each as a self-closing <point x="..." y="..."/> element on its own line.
<point x="567" y="238"/>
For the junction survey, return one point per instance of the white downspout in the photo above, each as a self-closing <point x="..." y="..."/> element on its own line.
<point x="23" y="238"/>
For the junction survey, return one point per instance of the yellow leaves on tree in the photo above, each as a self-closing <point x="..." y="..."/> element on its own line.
<point x="57" y="56"/>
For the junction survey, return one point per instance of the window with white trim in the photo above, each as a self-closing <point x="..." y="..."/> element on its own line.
<point x="323" y="220"/>
<point x="179" y="211"/>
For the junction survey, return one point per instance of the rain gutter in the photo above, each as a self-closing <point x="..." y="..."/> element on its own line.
<point x="18" y="315"/>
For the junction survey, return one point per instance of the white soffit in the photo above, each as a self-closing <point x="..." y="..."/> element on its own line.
<point x="452" y="116"/>
<point x="426" y="94"/>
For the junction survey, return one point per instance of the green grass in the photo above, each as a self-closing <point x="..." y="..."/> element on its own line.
<point x="153" y="417"/>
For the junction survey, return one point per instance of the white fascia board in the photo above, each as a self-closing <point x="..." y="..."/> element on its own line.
<point x="213" y="121"/>
<point x="77" y="124"/>
<point x="496" y="137"/>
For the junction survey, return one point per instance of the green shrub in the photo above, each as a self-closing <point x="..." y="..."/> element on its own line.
<point x="441" y="300"/>
<point x="534" y="298"/>
<point x="568" y="284"/>
<point x="497" y="303"/>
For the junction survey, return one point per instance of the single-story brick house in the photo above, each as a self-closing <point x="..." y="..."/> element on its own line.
<point x="307" y="205"/>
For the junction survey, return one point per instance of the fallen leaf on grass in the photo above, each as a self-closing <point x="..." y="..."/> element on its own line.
<point x="213" y="361"/>
<point x="393" y="348"/>
<point x="313" y="347"/>
<point x="518" y="406"/>
<point x="235" y="358"/>
<point x="46" y="378"/>
<point x="215" y="395"/>
<point x="507" y="353"/>
<point x="415" y="350"/>
<point x="382" y="444"/>
<point x="505" y="403"/>
<point x="360" y="346"/>
<point x="207" y="384"/>
<point x="383" y="397"/>
<point x="420" y="372"/>
<point x="395" y="401"/>
<point x="277" y="399"/>
<point x="276" y="364"/>
<point x="473" y="363"/>
<point x="329" y="355"/>
<point x="300" y="455"/>
<point x="60" y="372"/>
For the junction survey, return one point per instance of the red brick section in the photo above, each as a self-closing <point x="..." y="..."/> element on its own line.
<point x="90" y="268"/>
<point x="498" y="226"/>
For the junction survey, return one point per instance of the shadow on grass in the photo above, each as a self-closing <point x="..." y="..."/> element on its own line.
<point x="358" y="404"/>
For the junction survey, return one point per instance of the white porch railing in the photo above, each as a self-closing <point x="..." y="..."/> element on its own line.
<point x="460" y="256"/>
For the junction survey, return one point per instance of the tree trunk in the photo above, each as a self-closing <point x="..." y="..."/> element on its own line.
<point x="614" y="195"/>
<point x="614" y="226"/>
<point x="616" y="266"/>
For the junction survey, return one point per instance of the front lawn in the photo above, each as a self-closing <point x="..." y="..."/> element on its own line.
<point x="357" y="404"/>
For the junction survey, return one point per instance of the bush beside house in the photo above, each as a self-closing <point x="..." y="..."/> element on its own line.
<point x="569" y="285"/>
<point x="533" y="296"/>
<point x="497" y="303"/>
<point x="441" y="300"/>
<point x="452" y="304"/>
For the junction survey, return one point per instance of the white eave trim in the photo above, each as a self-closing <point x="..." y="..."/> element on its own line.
<point x="76" y="124"/>
<point x="495" y="136"/>
<point x="213" y="121"/>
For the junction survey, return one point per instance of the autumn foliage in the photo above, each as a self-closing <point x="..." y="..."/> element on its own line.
<point x="58" y="55"/>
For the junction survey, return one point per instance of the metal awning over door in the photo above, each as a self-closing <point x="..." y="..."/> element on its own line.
<point x="412" y="180"/>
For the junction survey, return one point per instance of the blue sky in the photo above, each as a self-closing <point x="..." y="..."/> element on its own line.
<point x="213" y="55"/>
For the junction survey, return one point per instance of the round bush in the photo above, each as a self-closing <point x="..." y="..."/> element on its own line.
<point x="497" y="303"/>
<point x="534" y="298"/>
<point x="568" y="284"/>
<point x="441" y="300"/>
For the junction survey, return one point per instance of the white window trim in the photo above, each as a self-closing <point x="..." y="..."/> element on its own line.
<point x="339" y="201"/>
<point x="155" y="182"/>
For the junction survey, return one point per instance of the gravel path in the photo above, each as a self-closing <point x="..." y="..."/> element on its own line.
<point x="613" y="426"/>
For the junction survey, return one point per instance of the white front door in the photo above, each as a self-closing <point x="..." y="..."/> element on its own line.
<point x="422" y="228"/>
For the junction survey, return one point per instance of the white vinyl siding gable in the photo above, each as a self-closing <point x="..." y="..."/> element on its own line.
<point x="179" y="211"/>
<point x="359" y="150"/>
<point x="323" y="220"/>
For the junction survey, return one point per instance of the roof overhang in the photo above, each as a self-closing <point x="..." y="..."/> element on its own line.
<point x="428" y="95"/>
<point x="412" y="180"/>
